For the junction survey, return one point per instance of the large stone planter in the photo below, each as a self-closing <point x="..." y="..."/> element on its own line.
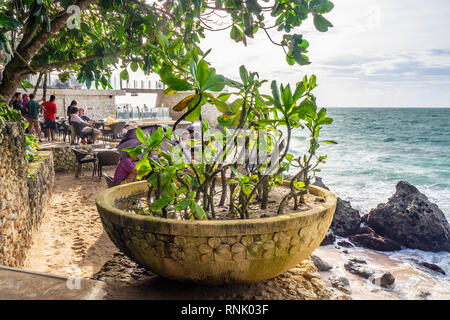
<point x="215" y="252"/>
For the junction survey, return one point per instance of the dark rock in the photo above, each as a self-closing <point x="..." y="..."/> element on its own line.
<point x="364" y="218"/>
<point x="385" y="279"/>
<point x="423" y="295"/>
<point x="410" y="219"/>
<point x="329" y="238"/>
<point x="340" y="283"/>
<point x="357" y="260"/>
<point x="374" y="242"/>
<point x="346" y="220"/>
<point x="365" y="230"/>
<point x="345" y="244"/>
<point x="318" y="182"/>
<point x="320" y="264"/>
<point x="359" y="269"/>
<point x="431" y="266"/>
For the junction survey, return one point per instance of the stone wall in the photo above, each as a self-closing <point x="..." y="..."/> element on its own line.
<point x="40" y="181"/>
<point x="23" y="189"/>
<point x="64" y="158"/>
<point x="97" y="104"/>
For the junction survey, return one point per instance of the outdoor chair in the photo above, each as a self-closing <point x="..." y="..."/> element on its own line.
<point x="78" y="131"/>
<point x="107" y="158"/>
<point x="117" y="129"/>
<point x="109" y="180"/>
<point x="65" y="128"/>
<point x="84" y="157"/>
<point x="106" y="133"/>
<point x="98" y="125"/>
<point x="59" y="128"/>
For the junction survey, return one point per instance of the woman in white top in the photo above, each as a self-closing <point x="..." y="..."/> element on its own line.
<point x="88" y="126"/>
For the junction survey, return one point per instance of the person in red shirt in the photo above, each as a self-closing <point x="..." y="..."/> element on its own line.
<point x="50" y="117"/>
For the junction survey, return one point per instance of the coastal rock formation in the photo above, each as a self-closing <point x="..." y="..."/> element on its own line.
<point x="359" y="269"/>
<point x="320" y="264"/>
<point x="431" y="266"/>
<point x="385" y="279"/>
<point x="374" y="242"/>
<point x="410" y="219"/>
<point x="340" y="283"/>
<point x="329" y="238"/>
<point x="346" y="219"/>
<point x="345" y="244"/>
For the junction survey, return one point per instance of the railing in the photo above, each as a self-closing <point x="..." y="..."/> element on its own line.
<point x="138" y="113"/>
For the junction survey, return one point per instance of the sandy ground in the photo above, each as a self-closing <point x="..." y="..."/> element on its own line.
<point x="71" y="240"/>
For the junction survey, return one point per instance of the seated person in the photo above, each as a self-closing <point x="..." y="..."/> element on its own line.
<point x="88" y="127"/>
<point x="83" y="116"/>
<point x="126" y="171"/>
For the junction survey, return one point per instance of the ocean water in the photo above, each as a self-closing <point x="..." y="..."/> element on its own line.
<point x="377" y="147"/>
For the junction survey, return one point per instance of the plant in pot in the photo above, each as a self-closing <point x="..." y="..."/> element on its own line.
<point x="197" y="216"/>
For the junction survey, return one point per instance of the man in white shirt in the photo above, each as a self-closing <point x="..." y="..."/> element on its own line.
<point x="88" y="126"/>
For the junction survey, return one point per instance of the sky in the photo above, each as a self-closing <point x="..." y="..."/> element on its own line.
<point x="380" y="53"/>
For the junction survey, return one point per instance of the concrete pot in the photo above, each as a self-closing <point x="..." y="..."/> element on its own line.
<point x="215" y="252"/>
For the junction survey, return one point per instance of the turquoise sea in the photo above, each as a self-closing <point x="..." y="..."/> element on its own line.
<point x="379" y="147"/>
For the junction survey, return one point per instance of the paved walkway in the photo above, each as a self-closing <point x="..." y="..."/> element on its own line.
<point x="17" y="284"/>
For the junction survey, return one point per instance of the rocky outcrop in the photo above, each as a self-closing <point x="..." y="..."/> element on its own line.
<point x="410" y="219"/>
<point x="346" y="220"/>
<point x="385" y="279"/>
<point x="430" y="266"/>
<point x="329" y="238"/>
<point x="374" y="242"/>
<point x="320" y="264"/>
<point x="360" y="269"/>
<point x="340" y="283"/>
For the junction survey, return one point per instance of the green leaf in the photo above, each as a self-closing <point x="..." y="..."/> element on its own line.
<point x="162" y="39"/>
<point x="321" y="23"/>
<point x="160" y="203"/>
<point x="199" y="210"/>
<point x="180" y="206"/>
<point x="178" y="84"/>
<point x="236" y="34"/>
<point x="9" y="23"/>
<point x="329" y="142"/>
<point x="141" y="135"/>
<point x="124" y="75"/>
<point x="134" y="66"/>
<point x="202" y="73"/>
<point x="276" y="94"/>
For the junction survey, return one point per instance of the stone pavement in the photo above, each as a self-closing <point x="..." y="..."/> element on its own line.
<point x="17" y="284"/>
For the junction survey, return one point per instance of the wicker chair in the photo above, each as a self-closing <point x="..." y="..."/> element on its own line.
<point x="84" y="157"/>
<point x="107" y="158"/>
<point x="109" y="180"/>
<point x="78" y="131"/>
<point x="117" y="129"/>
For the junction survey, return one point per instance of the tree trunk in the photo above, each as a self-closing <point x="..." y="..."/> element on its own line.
<point x="44" y="88"/>
<point x="38" y="82"/>
<point x="30" y="45"/>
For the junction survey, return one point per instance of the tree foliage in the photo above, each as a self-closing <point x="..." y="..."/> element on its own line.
<point x="39" y="35"/>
